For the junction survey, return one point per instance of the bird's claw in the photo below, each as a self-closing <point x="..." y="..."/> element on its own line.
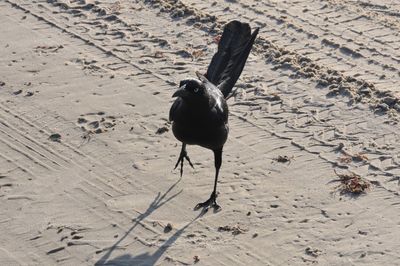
<point x="183" y="156"/>
<point x="210" y="203"/>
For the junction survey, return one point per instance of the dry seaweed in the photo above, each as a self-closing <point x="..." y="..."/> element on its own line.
<point x="352" y="183"/>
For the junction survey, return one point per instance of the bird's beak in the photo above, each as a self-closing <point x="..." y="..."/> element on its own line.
<point x="181" y="92"/>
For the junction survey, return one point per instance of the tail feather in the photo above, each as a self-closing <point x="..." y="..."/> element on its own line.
<point x="233" y="49"/>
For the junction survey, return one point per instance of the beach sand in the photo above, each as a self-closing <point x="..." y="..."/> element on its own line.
<point x="87" y="154"/>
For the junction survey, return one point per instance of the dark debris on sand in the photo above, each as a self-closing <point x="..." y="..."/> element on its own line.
<point x="352" y="183"/>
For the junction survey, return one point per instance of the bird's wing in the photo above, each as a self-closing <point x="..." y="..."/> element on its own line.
<point x="233" y="49"/>
<point x="174" y="108"/>
<point x="220" y="110"/>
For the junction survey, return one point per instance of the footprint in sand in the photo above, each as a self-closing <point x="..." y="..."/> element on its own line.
<point x="96" y="123"/>
<point x="47" y="49"/>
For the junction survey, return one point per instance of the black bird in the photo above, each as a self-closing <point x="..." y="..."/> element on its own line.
<point x="199" y="115"/>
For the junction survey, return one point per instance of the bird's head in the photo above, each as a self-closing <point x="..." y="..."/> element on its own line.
<point x="191" y="90"/>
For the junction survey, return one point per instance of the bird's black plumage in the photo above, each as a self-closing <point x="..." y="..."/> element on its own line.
<point x="233" y="49"/>
<point x="199" y="115"/>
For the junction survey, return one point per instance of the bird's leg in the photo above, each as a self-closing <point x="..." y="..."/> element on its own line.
<point x="181" y="158"/>
<point x="212" y="201"/>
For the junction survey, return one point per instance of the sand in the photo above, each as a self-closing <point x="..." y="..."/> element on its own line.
<point x="87" y="154"/>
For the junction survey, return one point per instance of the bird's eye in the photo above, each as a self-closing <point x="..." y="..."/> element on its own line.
<point x="196" y="89"/>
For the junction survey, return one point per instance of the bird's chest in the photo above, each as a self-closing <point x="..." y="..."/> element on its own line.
<point x="196" y="125"/>
<point x="201" y="129"/>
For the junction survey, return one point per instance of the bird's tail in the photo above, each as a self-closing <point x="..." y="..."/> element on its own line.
<point x="233" y="49"/>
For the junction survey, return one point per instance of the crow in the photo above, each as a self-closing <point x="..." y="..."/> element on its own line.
<point x="199" y="115"/>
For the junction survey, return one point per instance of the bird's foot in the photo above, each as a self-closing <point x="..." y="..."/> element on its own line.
<point x="181" y="158"/>
<point x="210" y="203"/>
